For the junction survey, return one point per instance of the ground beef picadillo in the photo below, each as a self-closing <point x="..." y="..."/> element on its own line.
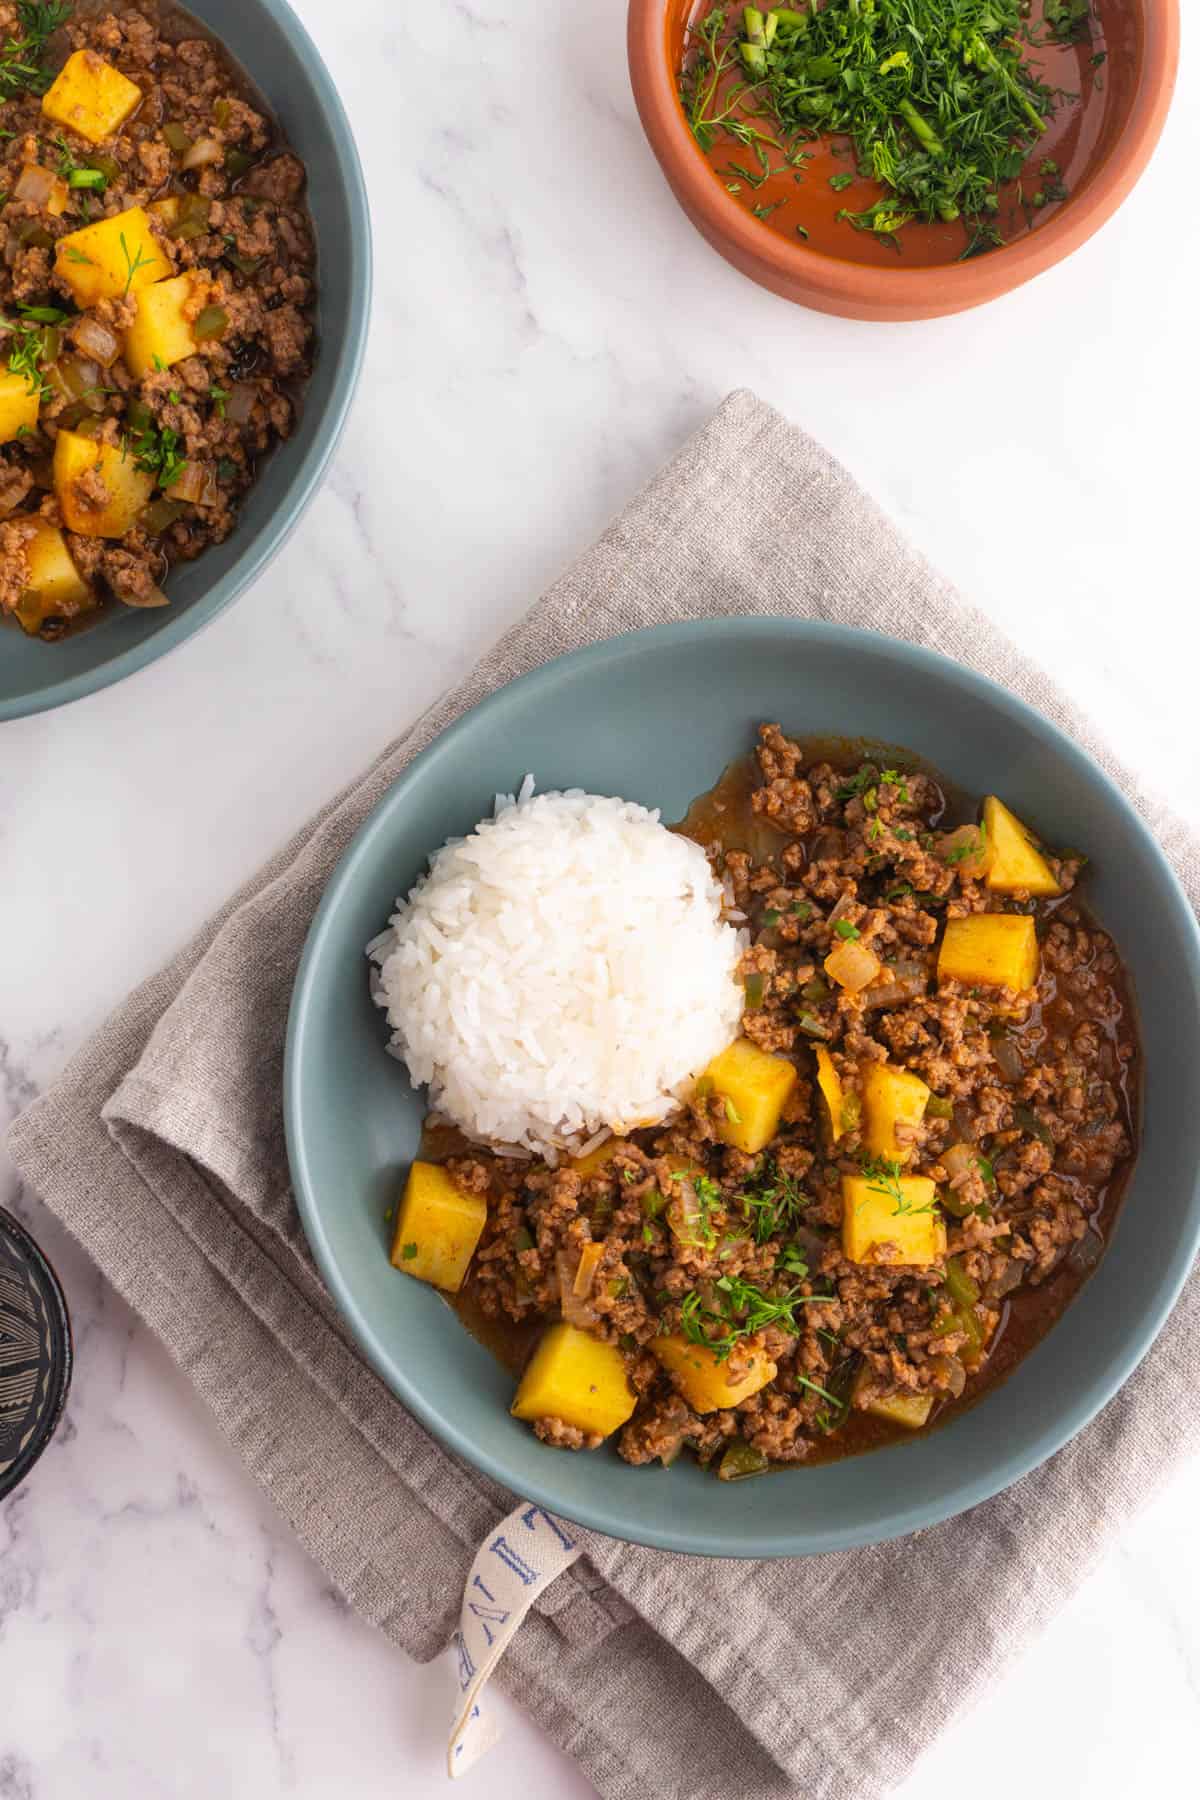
<point x="1027" y="1136"/>
<point x="224" y="199"/>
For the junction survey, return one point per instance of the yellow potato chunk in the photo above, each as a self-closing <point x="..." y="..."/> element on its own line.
<point x="161" y="334"/>
<point x="437" y="1227"/>
<point x="91" y="97"/>
<point x="126" y="488"/>
<point x="575" y="1377"/>
<point x="18" y="407"/>
<point x="54" y="588"/>
<point x="1016" y="862"/>
<point x="909" y="1410"/>
<point x="893" y="1214"/>
<point x="110" y="259"/>
<point x="830" y="1084"/>
<point x="990" y="950"/>
<point x="755" y="1087"/>
<point x="891" y="1097"/>
<point x="597" y="1158"/>
<point x="705" y="1381"/>
<point x="852" y="965"/>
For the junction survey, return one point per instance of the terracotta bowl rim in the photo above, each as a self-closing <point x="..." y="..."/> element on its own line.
<point x="784" y="266"/>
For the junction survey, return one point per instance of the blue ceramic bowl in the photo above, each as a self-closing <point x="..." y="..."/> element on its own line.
<point x="270" y="43"/>
<point x="655" y="716"/>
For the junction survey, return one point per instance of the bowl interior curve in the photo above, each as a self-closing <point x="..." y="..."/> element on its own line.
<point x="655" y="716"/>
<point x="269" y="42"/>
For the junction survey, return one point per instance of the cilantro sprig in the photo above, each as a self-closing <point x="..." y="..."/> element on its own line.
<point x="22" y="66"/>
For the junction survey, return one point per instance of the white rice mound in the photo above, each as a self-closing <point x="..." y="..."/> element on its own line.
<point x="562" y="973"/>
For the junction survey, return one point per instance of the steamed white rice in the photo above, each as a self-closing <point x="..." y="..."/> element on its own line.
<point x="563" y="972"/>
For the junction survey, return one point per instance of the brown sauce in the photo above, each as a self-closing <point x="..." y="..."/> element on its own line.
<point x="724" y="816"/>
<point x="1076" y="138"/>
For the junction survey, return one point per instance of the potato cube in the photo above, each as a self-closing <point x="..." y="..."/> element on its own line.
<point x="161" y="334"/>
<point x="54" y="588"/>
<point x="852" y="965"/>
<point x="18" y="407"/>
<point x="437" y="1227"/>
<point x="1016" y="863"/>
<point x="578" y="1378"/>
<point x="891" y="1219"/>
<point x="891" y="1097"/>
<point x="705" y="1381"/>
<point x="830" y="1084"/>
<point x="755" y="1087"/>
<point x="990" y="950"/>
<point x="596" y="1159"/>
<point x="110" y="259"/>
<point x="126" y="488"/>
<point x="91" y="97"/>
<point x="909" y="1410"/>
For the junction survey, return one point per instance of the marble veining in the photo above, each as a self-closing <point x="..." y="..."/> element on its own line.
<point x="547" y="329"/>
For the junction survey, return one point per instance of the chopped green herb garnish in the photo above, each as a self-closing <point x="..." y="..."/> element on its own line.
<point x="22" y="69"/>
<point x="846" y="930"/>
<point x="27" y="352"/>
<point x="883" y="1177"/>
<point x="772" y="1204"/>
<point x="157" y="452"/>
<point x="936" y="97"/>
<point x="132" y="264"/>
<point x="855" y="784"/>
<point x="741" y="1310"/>
<point x="408" y="1252"/>
<point x="969" y="847"/>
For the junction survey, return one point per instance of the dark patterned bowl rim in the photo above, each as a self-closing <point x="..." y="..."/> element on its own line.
<point x="60" y="1346"/>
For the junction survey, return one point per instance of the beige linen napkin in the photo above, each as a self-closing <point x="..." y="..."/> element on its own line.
<point x="162" y="1149"/>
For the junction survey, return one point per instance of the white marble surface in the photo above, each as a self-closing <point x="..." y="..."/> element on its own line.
<point x="547" y="328"/>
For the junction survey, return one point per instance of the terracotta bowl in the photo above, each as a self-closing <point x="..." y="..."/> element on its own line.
<point x="1101" y="146"/>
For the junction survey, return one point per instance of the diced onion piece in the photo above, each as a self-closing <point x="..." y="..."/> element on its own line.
<point x="576" y="1308"/>
<point x="38" y="186"/>
<point x="204" y="151"/>
<point x="852" y="965"/>
<point x="958" y="1160"/>
<point x="153" y="596"/>
<point x="585" y="1275"/>
<point x="239" y="407"/>
<point x="1008" y="1059"/>
<point x="197" y="485"/>
<point x="96" y="340"/>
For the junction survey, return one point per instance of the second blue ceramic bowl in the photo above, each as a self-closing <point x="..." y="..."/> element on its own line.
<point x="656" y="716"/>
<point x="268" y="40"/>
